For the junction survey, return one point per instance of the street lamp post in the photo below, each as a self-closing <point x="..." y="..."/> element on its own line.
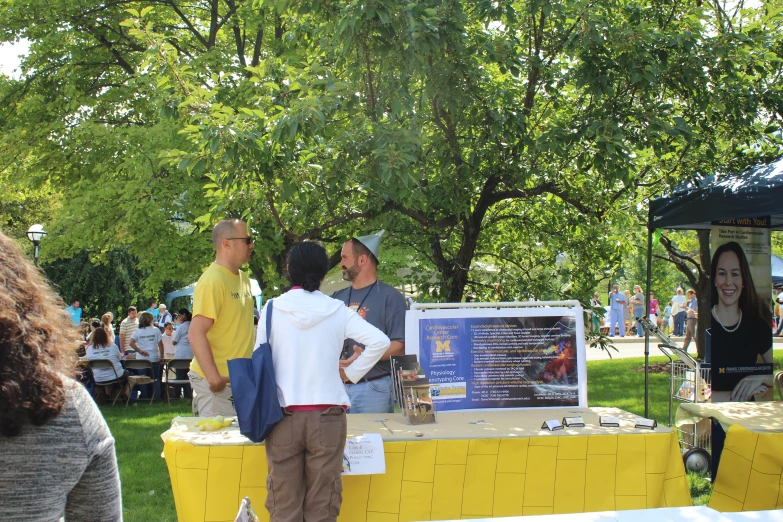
<point x="35" y="233"/>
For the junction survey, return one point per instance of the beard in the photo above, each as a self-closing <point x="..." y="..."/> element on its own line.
<point x="350" y="272"/>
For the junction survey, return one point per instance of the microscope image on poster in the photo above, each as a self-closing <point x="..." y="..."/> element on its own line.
<point x="551" y="364"/>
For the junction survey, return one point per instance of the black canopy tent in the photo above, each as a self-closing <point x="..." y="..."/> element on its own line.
<point x="757" y="191"/>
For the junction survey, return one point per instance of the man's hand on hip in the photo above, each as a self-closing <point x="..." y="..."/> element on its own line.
<point x="218" y="385"/>
<point x="356" y="353"/>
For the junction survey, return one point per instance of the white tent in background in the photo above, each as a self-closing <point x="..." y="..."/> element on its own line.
<point x="255" y="290"/>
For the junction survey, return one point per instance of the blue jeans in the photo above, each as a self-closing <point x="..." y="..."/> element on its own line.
<point x="638" y="312"/>
<point x="371" y="396"/>
<point x="679" y="323"/>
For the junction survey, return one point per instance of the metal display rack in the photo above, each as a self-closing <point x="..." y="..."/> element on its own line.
<point x="689" y="382"/>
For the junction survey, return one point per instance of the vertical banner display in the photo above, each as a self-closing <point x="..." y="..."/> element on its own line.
<point x="483" y="358"/>
<point x="740" y="337"/>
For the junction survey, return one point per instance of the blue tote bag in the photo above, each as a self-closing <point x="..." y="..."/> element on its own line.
<point x="255" y="389"/>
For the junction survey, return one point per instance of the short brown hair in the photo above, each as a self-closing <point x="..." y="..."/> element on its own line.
<point x="100" y="337"/>
<point x="130" y="309"/>
<point x="146" y="319"/>
<point x="37" y="344"/>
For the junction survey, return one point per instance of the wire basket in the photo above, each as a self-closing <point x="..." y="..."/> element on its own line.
<point x="689" y="381"/>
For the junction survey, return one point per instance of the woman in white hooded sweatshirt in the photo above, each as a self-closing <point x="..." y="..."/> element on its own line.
<point x="304" y="452"/>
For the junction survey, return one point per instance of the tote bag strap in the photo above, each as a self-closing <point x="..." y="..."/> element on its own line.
<point x="269" y="320"/>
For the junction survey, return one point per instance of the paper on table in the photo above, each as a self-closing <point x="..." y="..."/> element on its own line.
<point x="364" y="455"/>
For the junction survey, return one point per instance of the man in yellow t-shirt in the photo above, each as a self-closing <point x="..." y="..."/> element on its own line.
<point x="222" y="324"/>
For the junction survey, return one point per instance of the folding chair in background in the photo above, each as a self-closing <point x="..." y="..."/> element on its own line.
<point x="176" y="364"/>
<point x="140" y="380"/>
<point x="104" y="364"/>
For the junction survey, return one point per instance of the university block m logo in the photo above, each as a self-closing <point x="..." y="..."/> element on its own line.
<point x="444" y="346"/>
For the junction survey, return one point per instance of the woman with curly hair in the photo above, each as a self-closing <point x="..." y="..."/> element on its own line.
<point x="56" y="450"/>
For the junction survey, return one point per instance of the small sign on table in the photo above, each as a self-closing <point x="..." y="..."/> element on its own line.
<point x="552" y="425"/>
<point x="649" y="424"/>
<point x="573" y="422"/>
<point x="363" y="455"/>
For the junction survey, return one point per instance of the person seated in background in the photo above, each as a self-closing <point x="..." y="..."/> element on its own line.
<point x="102" y="349"/>
<point x="56" y="449"/>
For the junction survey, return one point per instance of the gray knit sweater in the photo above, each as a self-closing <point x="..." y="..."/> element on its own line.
<point x="66" y="467"/>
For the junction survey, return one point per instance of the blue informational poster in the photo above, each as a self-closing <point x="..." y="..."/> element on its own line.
<point x="507" y="358"/>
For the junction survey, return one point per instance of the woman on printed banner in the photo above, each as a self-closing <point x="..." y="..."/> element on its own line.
<point x="741" y="337"/>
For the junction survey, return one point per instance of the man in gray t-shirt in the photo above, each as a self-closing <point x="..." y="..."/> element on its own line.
<point x="383" y="307"/>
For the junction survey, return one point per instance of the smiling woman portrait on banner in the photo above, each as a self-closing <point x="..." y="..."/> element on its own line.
<point x="740" y="337"/>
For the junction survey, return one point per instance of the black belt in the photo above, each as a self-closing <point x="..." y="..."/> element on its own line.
<point x="368" y="379"/>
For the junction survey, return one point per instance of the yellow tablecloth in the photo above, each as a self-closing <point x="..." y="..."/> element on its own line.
<point x="504" y="467"/>
<point x="750" y="474"/>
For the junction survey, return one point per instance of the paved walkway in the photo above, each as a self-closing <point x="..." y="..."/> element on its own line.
<point x="634" y="347"/>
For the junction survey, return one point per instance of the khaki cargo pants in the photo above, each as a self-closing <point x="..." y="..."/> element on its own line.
<point x="304" y="454"/>
<point x="206" y="403"/>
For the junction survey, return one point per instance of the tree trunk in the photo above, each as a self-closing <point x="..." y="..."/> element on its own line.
<point x="456" y="287"/>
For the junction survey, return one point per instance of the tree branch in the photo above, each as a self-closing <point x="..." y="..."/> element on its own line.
<point x="213" y="24"/>
<point x="681" y="260"/>
<point x="279" y="221"/>
<point x="192" y="29"/>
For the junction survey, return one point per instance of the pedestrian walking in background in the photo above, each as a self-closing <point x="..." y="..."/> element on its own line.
<point x="628" y="313"/>
<point x="691" y="319"/>
<point x="617" y="308"/>
<point x="637" y="309"/>
<point x="667" y="317"/>
<point x="653" y="309"/>
<point x="678" y="312"/>
<point x="595" y="302"/>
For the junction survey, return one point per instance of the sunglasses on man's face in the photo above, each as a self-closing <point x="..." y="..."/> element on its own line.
<point x="248" y="240"/>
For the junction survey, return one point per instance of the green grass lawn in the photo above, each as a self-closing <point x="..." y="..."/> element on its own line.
<point x="146" y="490"/>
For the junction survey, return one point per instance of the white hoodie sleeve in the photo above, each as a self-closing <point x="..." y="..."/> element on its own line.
<point x="374" y="341"/>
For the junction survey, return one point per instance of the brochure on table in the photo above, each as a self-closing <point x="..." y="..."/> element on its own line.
<point x="513" y="357"/>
